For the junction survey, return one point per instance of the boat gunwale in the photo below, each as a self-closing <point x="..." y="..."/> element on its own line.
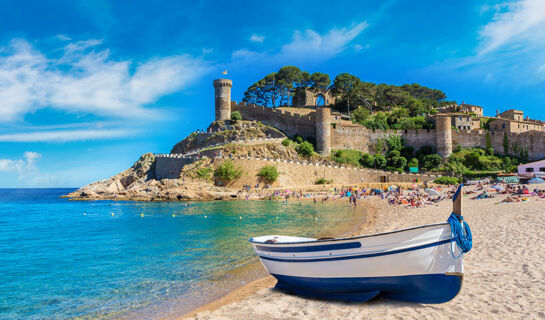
<point x="350" y="238"/>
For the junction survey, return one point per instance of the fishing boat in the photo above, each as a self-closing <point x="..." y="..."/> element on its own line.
<point x="422" y="264"/>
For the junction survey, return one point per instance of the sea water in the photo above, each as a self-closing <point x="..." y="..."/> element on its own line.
<point x="66" y="259"/>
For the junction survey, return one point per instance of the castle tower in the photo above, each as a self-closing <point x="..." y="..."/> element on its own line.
<point x="223" y="98"/>
<point x="323" y="131"/>
<point x="443" y="135"/>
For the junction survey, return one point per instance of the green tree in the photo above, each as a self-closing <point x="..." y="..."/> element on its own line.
<point x="288" y="78"/>
<point x="367" y="160"/>
<point x="305" y="149"/>
<point x="347" y="87"/>
<point x="268" y="174"/>
<point x="227" y="172"/>
<point x="431" y="161"/>
<point x="380" y="161"/>
<point x="424" y="151"/>
<point x="413" y="163"/>
<point x="360" y="115"/>
<point x="319" y="82"/>
<point x="236" y="116"/>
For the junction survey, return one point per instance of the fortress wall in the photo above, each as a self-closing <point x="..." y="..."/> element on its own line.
<point x="469" y="139"/>
<point x="170" y="166"/>
<point x="532" y="142"/>
<point x="294" y="173"/>
<point x="288" y="122"/>
<point x="363" y="139"/>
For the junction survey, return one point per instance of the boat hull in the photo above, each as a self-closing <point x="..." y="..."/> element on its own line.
<point x="428" y="288"/>
<point x="416" y="265"/>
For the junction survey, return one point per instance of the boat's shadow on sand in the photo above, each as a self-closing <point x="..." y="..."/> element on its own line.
<point x="374" y="302"/>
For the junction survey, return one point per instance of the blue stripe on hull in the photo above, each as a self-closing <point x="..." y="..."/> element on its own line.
<point x="427" y="288"/>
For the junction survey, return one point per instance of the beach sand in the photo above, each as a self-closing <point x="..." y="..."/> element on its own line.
<point x="504" y="276"/>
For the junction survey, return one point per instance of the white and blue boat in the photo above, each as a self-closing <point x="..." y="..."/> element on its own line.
<point x="422" y="264"/>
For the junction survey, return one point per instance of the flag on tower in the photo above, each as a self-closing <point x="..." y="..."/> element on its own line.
<point x="224" y="71"/>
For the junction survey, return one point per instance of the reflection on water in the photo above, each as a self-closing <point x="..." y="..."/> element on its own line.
<point x="105" y="259"/>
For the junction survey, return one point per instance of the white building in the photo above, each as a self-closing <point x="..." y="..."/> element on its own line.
<point x="538" y="166"/>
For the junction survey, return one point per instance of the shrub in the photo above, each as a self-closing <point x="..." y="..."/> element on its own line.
<point x="457" y="149"/>
<point x="367" y="160"/>
<point x="236" y="116"/>
<point x="380" y="161"/>
<point x="398" y="162"/>
<point x="431" y="161"/>
<point x="305" y="149"/>
<point x="424" y="151"/>
<point x="269" y="173"/>
<point x="286" y="142"/>
<point x="227" y="172"/>
<point x="447" y="180"/>
<point x="413" y="163"/>
<point x="204" y="173"/>
<point x="347" y="157"/>
<point x="323" y="181"/>
<point x="298" y="139"/>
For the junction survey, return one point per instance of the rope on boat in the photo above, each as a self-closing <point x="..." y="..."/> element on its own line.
<point x="461" y="234"/>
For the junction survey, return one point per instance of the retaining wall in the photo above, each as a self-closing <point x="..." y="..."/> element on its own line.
<point x="293" y="173"/>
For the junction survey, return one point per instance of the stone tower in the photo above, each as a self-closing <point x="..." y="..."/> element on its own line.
<point x="223" y="98"/>
<point x="323" y="131"/>
<point x="443" y="135"/>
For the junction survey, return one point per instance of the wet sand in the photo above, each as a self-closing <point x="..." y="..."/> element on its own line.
<point x="504" y="275"/>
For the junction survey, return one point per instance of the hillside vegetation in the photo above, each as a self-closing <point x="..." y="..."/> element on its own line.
<point x="376" y="106"/>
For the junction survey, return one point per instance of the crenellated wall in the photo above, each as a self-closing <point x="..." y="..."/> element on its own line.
<point x="292" y="173"/>
<point x="288" y="122"/>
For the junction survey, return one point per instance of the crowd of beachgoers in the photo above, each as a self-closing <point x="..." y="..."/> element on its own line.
<point x="413" y="196"/>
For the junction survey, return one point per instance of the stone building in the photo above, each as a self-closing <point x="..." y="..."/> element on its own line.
<point x="512" y="121"/>
<point x="468" y="108"/>
<point x="331" y="131"/>
<point x="464" y="121"/>
<point x="306" y="97"/>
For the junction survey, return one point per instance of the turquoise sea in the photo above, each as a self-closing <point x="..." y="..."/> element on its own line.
<point x="62" y="259"/>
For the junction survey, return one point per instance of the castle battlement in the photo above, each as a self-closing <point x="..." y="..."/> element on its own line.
<point x="353" y="136"/>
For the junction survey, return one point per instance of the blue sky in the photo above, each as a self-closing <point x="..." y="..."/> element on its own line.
<point x="86" y="87"/>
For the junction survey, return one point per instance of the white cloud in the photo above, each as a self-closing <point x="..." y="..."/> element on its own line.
<point x="521" y="22"/>
<point x="27" y="171"/>
<point x="66" y="135"/>
<point x="307" y="45"/>
<point x="257" y="38"/>
<point x="88" y="81"/>
<point x="21" y="166"/>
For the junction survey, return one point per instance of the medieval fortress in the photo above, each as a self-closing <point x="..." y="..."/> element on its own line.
<point x="509" y="132"/>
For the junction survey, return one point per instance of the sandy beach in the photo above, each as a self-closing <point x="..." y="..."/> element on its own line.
<point x="503" y="277"/>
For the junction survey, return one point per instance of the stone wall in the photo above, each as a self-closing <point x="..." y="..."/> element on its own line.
<point x="293" y="173"/>
<point x="363" y="139"/>
<point x="532" y="142"/>
<point x="288" y="122"/>
<point x="169" y="166"/>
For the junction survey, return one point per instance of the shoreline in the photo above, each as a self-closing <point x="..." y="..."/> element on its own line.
<point x="366" y="208"/>
<point x="500" y="281"/>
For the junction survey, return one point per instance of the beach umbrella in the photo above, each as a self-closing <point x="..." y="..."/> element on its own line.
<point x="536" y="181"/>
<point x="432" y="192"/>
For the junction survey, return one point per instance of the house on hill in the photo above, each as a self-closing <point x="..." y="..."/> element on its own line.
<point x="512" y="121"/>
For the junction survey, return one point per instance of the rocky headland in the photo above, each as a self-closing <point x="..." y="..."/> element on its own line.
<point x="247" y="139"/>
